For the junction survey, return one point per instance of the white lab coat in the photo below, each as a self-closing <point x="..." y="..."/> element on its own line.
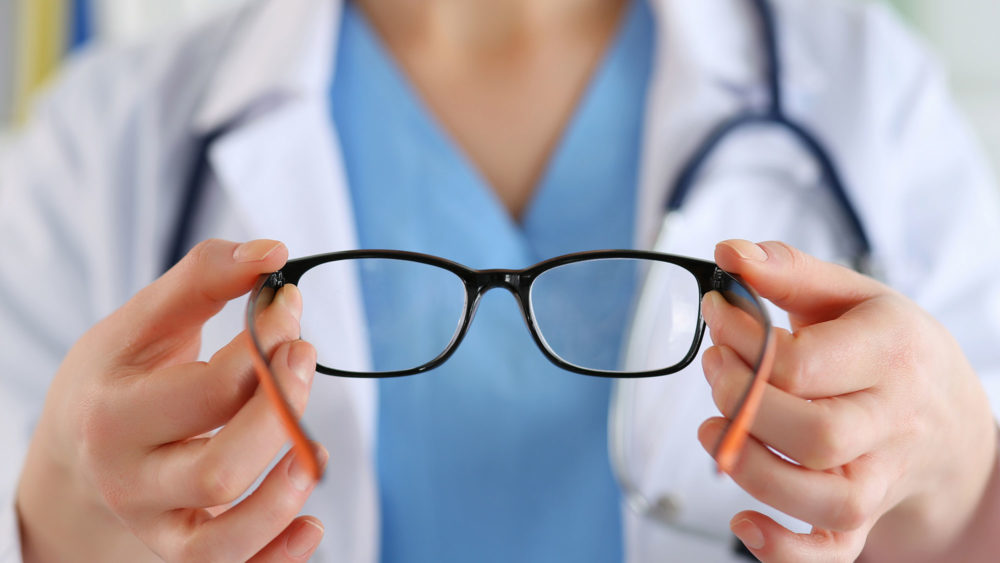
<point x="90" y="193"/>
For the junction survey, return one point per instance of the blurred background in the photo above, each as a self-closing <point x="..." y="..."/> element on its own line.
<point x="35" y="35"/>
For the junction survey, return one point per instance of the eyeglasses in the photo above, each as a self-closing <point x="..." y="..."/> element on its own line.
<point x="606" y="313"/>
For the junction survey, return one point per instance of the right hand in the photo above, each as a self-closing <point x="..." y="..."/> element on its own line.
<point x="122" y="465"/>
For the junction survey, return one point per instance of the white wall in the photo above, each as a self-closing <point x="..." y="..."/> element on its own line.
<point x="966" y="33"/>
<point x="7" y="40"/>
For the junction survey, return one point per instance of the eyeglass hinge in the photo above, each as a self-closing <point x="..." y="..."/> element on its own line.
<point x="275" y="280"/>
<point x="717" y="279"/>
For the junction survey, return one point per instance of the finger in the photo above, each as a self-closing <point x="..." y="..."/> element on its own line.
<point x="169" y="312"/>
<point x="819" y="434"/>
<point x="244" y="529"/>
<point x="253" y="524"/>
<point x="827" y="499"/>
<point x="820" y="360"/>
<point x="186" y="400"/>
<point x="296" y="543"/>
<point x="733" y="327"/>
<point x="771" y="542"/>
<point x="218" y="470"/>
<point x="809" y="289"/>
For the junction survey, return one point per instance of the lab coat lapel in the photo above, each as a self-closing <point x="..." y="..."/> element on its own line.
<point x="700" y="49"/>
<point x="282" y="174"/>
<point x="279" y="166"/>
<point x="709" y="67"/>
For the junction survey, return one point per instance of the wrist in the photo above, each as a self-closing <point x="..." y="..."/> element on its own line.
<point x="952" y="521"/>
<point x="61" y="517"/>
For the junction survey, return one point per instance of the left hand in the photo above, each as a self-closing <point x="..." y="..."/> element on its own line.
<point x="891" y="433"/>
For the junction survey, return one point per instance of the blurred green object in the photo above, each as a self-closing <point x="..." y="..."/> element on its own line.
<point x="904" y="7"/>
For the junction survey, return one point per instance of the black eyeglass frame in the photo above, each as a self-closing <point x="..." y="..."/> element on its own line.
<point x="707" y="274"/>
<point x="477" y="282"/>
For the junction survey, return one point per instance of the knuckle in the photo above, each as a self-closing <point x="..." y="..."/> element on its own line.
<point x="797" y="370"/>
<point x="723" y="392"/>
<point x="225" y="389"/>
<point x="856" y="509"/>
<point x="829" y="442"/>
<point x="215" y="484"/>
<point x="298" y="395"/>
<point x="296" y="390"/>
<point x="788" y="253"/>
<point x="199" y="257"/>
<point x="201" y="251"/>
<point x="195" y="549"/>
<point x="280" y="512"/>
<point x="280" y="325"/>
<point x="721" y="333"/>
<point x="762" y="487"/>
<point x="794" y="261"/>
<point x="288" y="325"/>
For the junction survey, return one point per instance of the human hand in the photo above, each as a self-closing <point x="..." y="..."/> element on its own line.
<point x="890" y="433"/>
<point x="123" y="444"/>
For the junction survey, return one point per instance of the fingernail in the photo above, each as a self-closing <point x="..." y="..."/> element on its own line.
<point x="748" y="250"/>
<point x="711" y="361"/>
<point x="749" y="534"/>
<point x="255" y="250"/>
<point x="299" y="474"/>
<point x="300" y="361"/>
<point x="304" y="538"/>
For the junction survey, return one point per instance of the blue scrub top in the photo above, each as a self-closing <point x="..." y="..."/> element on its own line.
<point x="497" y="455"/>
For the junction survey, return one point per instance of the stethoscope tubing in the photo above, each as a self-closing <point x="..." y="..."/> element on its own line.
<point x="695" y="166"/>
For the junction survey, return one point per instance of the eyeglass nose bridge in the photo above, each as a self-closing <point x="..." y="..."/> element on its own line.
<point x="485" y="280"/>
<point x="482" y="281"/>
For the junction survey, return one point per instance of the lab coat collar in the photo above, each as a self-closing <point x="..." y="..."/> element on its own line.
<point x="709" y="66"/>
<point x="278" y="166"/>
<point x="720" y="43"/>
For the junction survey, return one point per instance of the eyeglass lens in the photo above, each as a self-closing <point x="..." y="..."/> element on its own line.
<point x="411" y="312"/>
<point x="583" y="313"/>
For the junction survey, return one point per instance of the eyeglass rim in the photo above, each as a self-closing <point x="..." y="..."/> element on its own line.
<point x="707" y="275"/>
<point x="732" y="439"/>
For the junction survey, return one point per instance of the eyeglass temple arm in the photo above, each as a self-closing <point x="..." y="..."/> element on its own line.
<point x="300" y="441"/>
<point x="735" y="435"/>
<point x="742" y="296"/>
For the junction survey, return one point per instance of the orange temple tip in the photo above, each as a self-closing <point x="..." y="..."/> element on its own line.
<point x="725" y="463"/>
<point x="729" y="450"/>
<point x="735" y="436"/>
<point x="308" y="456"/>
<point x="304" y="450"/>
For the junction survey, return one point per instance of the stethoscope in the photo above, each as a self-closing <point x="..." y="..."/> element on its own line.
<point x="663" y="510"/>
<point x="772" y="115"/>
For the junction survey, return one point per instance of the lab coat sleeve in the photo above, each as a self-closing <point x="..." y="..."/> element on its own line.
<point x="937" y="217"/>
<point x="66" y="246"/>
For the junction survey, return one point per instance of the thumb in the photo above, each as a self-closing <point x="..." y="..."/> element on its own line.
<point x="809" y="289"/>
<point x="178" y="303"/>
